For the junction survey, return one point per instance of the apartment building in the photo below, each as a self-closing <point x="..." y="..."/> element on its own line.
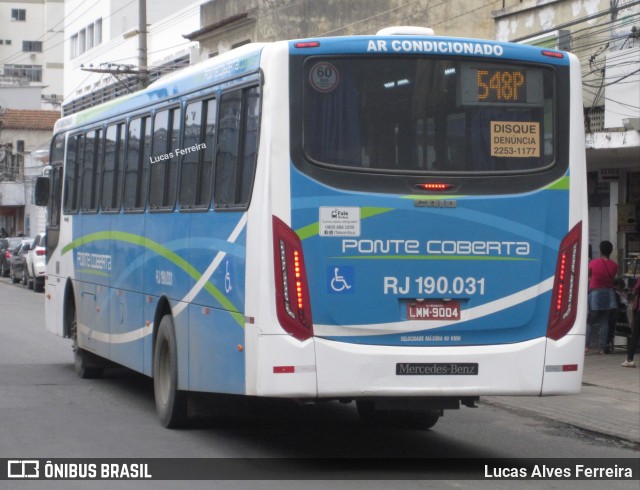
<point x="31" y="54"/>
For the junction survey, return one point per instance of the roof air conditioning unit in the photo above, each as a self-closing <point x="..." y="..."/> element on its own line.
<point x="406" y="31"/>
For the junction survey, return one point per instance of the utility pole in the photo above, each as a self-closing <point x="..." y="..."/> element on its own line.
<point x="143" y="76"/>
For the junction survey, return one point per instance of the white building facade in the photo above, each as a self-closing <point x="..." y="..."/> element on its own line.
<point x="31" y="54"/>
<point x="102" y="48"/>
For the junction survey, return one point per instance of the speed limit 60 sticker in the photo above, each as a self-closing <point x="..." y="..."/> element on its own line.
<point x="324" y="77"/>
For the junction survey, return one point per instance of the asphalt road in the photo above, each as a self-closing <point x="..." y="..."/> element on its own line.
<point x="46" y="411"/>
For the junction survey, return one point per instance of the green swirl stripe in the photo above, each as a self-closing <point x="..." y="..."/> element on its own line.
<point x="164" y="252"/>
<point x="562" y="184"/>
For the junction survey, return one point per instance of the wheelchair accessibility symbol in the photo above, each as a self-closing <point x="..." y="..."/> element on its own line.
<point x="227" y="280"/>
<point x="340" y="280"/>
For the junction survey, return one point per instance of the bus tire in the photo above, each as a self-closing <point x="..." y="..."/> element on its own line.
<point x="85" y="366"/>
<point x="171" y="403"/>
<point x="85" y="363"/>
<point x="396" y="419"/>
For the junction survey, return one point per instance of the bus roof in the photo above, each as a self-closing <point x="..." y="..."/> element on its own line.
<point x="242" y="60"/>
<point x="430" y="45"/>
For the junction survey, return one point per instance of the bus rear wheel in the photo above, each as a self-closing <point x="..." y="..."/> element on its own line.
<point x="85" y="363"/>
<point x="171" y="403"/>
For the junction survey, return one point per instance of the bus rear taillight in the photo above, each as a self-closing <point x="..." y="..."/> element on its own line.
<point x="564" y="300"/>
<point x="552" y="54"/>
<point x="292" y="292"/>
<point x="434" y="186"/>
<point x="307" y="44"/>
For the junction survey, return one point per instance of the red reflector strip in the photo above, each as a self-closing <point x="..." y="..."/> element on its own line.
<point x="553" y="54"/>
<point x="283" y="369"/>
<point x="293" y="369"/>
<point x="561" y="368"/>
<point x="307" y="44"/>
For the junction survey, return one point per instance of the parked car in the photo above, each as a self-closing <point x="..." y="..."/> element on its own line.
<point x="36" y="263"/>
<point x="18" y="261"/>
<point x="6" y="247"/>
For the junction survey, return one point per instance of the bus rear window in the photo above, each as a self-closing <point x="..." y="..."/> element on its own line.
<point x="410" y="115"/>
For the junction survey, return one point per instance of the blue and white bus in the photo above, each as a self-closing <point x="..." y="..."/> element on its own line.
<point x="397" y="220"/>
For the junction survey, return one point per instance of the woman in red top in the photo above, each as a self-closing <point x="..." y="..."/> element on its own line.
<point x="602" y="297"/>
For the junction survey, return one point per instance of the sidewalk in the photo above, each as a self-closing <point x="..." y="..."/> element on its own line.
<point x="608" y="404"/>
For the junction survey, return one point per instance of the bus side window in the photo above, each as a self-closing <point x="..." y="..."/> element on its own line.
<point x="191" y="161"/>
<point x="206" y="169"/>
<point x="119" y="169"/>
<point x="237" y="148"/>
<point x="137" y="170"/>
<point x="72" y="173"/>
<point x="145" y="165"/>
<point x="92" y="155"/>
<point x="197" y="164"/>
<point x="158" y="151"/>
<point x="55" y="195"/>
<point x="250" y="152"/>
<point x="113" y="163"/>
<point x="228" y="139"/>
<point x="164" y="159"/>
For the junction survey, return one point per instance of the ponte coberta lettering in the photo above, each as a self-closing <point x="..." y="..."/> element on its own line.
<point x="436" y="247"/>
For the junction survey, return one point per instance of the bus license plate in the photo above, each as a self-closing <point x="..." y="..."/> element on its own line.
<point x="433" y="310"/>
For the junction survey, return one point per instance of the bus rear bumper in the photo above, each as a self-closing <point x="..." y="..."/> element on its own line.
<point x="323" y="369"/>
<point x="564" y="365"/>
<point x="352" y="370"/>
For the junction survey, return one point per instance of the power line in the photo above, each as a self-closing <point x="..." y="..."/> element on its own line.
<point x="615" y="81"/>
<point x="576" y="21"/>
<point x="630" y="106"/>
<point x="366" y="19"/>
<point x="466" y="13"/>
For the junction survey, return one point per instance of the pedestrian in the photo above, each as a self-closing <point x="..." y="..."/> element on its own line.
<point x="632" y="344"/>
<point x="620" y="311"/>
<point x="602" y="297"/>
